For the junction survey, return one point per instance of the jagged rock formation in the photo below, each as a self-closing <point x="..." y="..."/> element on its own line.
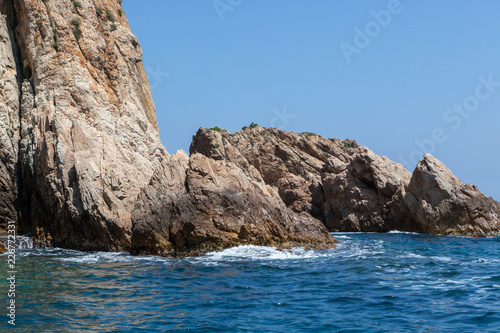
<point x="80" y="142"/>
<point x="338" y="182"/>
<point x="198" y="204"/>
<point x="289" y="161"/>
<point x="350" y="188"/>
<point x="358" y="191"/>
<point x="437" y="202"/>
<point x="82" y="165"/>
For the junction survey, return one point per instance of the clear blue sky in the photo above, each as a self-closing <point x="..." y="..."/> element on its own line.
<point x="385" y="73"/>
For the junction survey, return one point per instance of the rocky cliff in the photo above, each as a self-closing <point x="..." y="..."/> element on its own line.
<point x="78" y="121"/>
<point x="80" y="144"/>
<point x="350" y="188"/>
<point x="10" y="71"/>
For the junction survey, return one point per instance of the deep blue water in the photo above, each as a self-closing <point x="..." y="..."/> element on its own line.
<point x="395" y="282"/>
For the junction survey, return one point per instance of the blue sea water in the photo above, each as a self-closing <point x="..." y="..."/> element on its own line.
<point x="394" y="282"/>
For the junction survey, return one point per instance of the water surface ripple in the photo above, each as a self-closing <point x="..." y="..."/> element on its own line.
<point x="395" y="282"/>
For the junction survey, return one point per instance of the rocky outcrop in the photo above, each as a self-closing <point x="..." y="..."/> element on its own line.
<point x="82" y="165"/>
<point x="336" y="181"/>
<point x="198" y="204"/>
<point x="358" y="191"/>
<point x="350" y="188"/>
<point x="437" y="202"/>
<point x="288" y="161"/>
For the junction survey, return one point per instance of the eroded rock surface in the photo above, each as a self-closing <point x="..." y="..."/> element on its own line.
<point x="84" y="135"/>
<point x="82" y="165"/>
<point x="437" y="202"/>
<point x="9" y="117"/>
<point x="198" y="204"/>
<point x="350" y="188"/>
<point x="80" y="142"/>
<point x="336" y="181"/>
<point x="358" y="192"/>
<point x="288" y="161"/>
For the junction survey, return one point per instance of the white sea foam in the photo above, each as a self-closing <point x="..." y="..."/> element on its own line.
<point x="485" y="261"/>
<point x="342" y="237"/>
<point x="403" y="232"/>
<point x="106" y="257"/>
<point x="94" y="257"/>
<point x="252" y="252"/>
<point x="419" y="256"/>
<point x="22" y="242"/>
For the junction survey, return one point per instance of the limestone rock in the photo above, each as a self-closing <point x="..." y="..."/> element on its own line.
<point x="198" y="204"/>
<point x="437" y="202"/>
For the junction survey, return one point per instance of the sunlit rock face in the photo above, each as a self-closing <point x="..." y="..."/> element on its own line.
<point x="79" y="134"/>
<point x="437" y="202"/>
<point x="350" y="188"/>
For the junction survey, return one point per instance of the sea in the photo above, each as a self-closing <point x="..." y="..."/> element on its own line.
<point x="390" y="282"/>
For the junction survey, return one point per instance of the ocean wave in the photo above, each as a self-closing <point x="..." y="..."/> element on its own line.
<point x="106" y="257"/>
<point x="342" y="237"/>
<point x="252" y="252"/>
<point x="403" y="232"/>
<point x="419" y="256"/>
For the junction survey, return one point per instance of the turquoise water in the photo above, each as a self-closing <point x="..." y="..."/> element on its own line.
<point x="395" y="282"/>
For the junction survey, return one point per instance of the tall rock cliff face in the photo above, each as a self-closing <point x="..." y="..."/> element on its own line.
<point x="78" y="121"/>
<point x="349" y="188"/>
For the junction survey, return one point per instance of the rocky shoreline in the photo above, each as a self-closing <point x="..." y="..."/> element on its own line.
<point x="82" y="165"/>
